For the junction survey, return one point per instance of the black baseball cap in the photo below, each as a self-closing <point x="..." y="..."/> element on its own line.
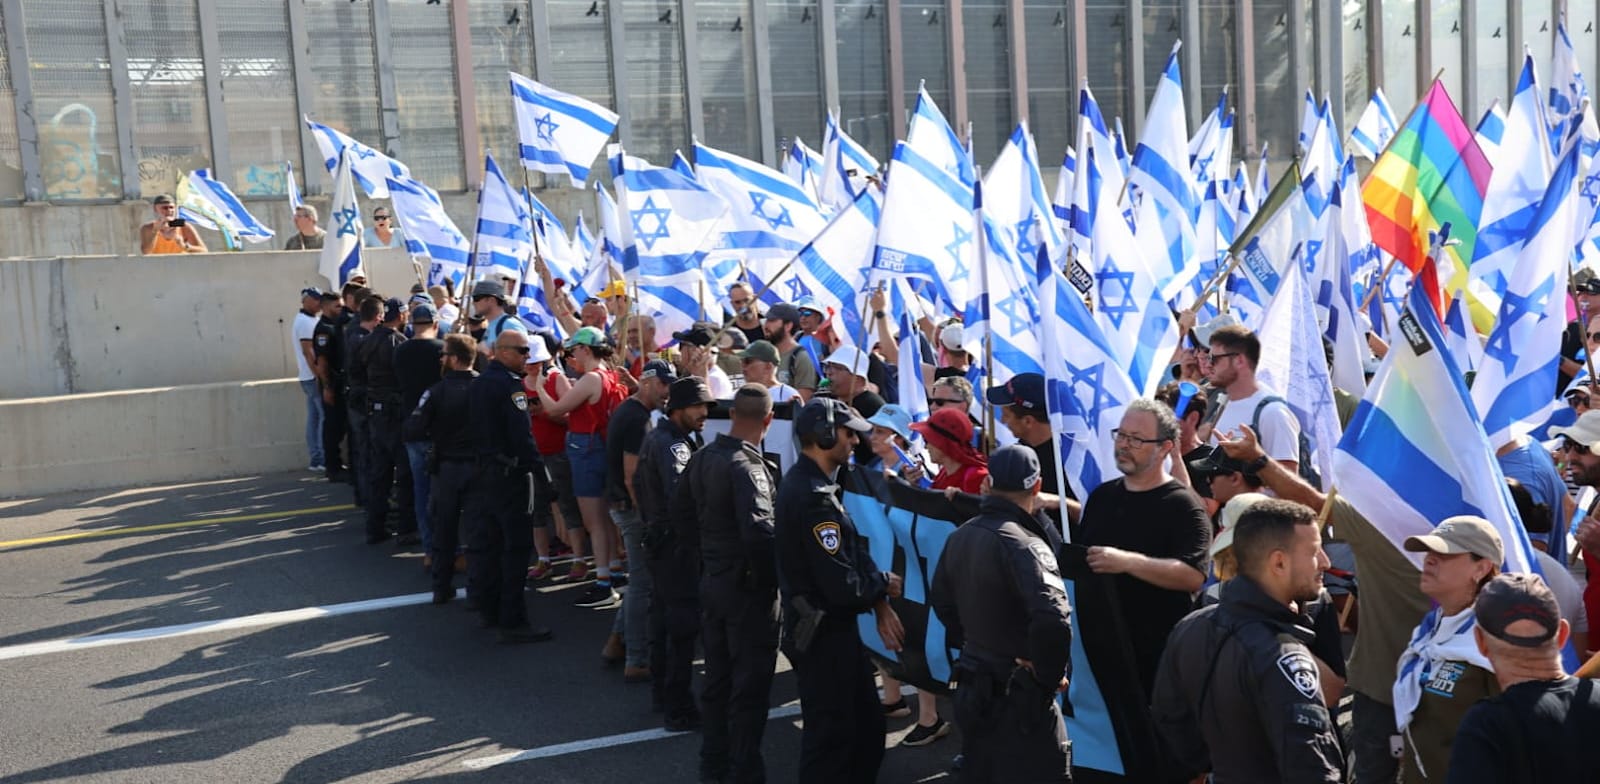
<point x="1025" y="390"/>
<point x="1513" y="597"/>
<point x="820" y="408"/>
<point x="700" y="333"/>
<point x="1014" y="468"/>
<point x="1217" y="462"/>
<point x="656" y="368"/>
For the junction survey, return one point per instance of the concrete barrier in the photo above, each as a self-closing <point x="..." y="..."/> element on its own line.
<point x="146" y="436"/>
<point x="103" y="323"/>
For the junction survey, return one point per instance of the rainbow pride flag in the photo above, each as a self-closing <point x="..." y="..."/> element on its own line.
<point x="1433" y="173"/>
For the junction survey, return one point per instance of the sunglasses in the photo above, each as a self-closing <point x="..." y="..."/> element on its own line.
<point x="523" y="350"/>
<point x="943" y="401"/>
<point x="380" y="217"/>
<point x="1568" y="445"/>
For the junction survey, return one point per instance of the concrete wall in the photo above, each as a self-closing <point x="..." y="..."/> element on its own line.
<point x="98" y="324"/>
<point x="121" y="439"/>
<point x="39" y="229"/>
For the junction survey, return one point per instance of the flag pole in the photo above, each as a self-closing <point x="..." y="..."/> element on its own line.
<point x="1383" y="280"/>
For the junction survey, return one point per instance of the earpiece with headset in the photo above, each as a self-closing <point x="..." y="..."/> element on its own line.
<point x="826" y="431"/>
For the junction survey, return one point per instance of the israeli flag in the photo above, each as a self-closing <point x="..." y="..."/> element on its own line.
<point x="550" y="241"/>
<point x="611" y="238"/>
<point x="341" y="251"/>
<point x="582" y="236"/>
<point x="1375" y="128"/>
<point x="770" y="218"/>
<point x="370" y="169"/>
<point x="558" y="133"/>
<point x="1002" y="310"/>
<point x="671" y="223"/>
<point x="832" y="268"/>
<point x="1015" y="200"/>
<point x="289" y="184"/>
<point x="1293" y="364"/>
<point x="1129" y="306"/>
<point x="927" y="232"/>
<point x="1334" y="289"/>
<point x="504" y="238"/>
<point x="1522" y="167"/>
<point x="1323" y="158"/>
<point x="429" y="232"/>
<point x="1567" y="91"/>
<point x="846" y="165"/>
<point x="1265" y="255"/>
<point x="216" y="202"/>
<point x="804" y="166"/>
<point x="1161" y="172"/>
<point x="1211" y="149"/>
<point x="1461" y="338"/>
<point x="1521" y="360"/>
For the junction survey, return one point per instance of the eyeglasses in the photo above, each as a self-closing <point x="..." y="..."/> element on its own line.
<point x="1577" y="400"/>
<point x="519" y="349"/>
<point x="1215" y="357"/>
<point x="1594" y="335"/>
<point x="935" y="402"/>
<point x="1123" y="437"/>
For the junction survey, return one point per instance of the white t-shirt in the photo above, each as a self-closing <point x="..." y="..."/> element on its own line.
<point x="721" y="386"/>
<point x="305" y="328"/>
<point x="782" y="393"/>
<point x="1279" y="432"/>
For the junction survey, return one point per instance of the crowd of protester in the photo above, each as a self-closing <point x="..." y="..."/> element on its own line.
<point x="1217" y="585"/>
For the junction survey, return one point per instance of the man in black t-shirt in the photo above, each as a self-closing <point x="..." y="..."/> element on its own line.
<point x="1022" y="411"/>
<point x="1139" y="556"/>
<point x="417" y="365"/>
<point x="326" y="340"/>
<point x="1542" y="725"/>
<point x="630" y="630"/>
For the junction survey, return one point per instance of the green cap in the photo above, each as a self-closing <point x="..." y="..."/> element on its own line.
<point x="588" y="336"/>
<point x="761" y="350"/>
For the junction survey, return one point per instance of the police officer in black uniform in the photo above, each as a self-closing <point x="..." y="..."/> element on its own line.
<point x="441" y="419"/>
<point x="1238" y="691"/>
<point x="369" y="312"/>
<point x="731" y="488"/>
<point x="672" y="544"/>
<point x="826" y="578"/>
<point x="330" y="378"/>
<point x="387" y="464"/>
<point x="999" y="592"/>
<point x="499" y="505"/>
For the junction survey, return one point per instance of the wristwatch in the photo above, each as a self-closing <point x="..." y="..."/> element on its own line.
<point x="878" y="314"/>
<point x="1257" y="464"/>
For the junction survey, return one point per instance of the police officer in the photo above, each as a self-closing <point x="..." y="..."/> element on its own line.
<point x="369" y="311"/>
<point x="441" y="419"/>
<point x="999" y="592"/>
<point x="1238" y="692"/>
<point x="672" y="544"/>
<point x="325" y="341"/>
<point x="499" y="505"/>
<point x="730" y="488"/>
<point x="826" y="578"/>
<point x="387" y="464"/>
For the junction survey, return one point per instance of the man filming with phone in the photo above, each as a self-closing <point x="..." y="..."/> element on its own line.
<point x="168" y="233"/>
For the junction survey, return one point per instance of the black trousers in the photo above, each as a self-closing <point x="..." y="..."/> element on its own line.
<point x="1010" y="734"/>
<point x="444" y="509"/>
<point x="674" y="628"/>
<point x="739" y="630"/>
<point x="334" y="424"/>
<point x="388" y="465"/>
<point x="842" y="742"/>
<point x="499" y="534"/>
<point x="356" y="426"/>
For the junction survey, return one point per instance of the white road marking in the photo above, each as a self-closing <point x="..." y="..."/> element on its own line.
<point x="590" y="744"/>
<point x="207" y="627"/>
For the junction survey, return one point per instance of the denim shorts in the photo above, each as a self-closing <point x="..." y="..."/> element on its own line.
<point x="586" y="452"/>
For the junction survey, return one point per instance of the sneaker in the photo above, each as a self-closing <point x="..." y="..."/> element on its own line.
<point x="597" y="596"/>
<point x="682" y="723"/>
<point x="922" y="736"/>
<point x="618" y="580"/>
<point x="577" y="573"/>
<point x="896" y="710"/>
<point x="444" y="596"/>
<point x="539" y="571"/>
<point x="613" y="652"/>
<point x="316" y="468"/>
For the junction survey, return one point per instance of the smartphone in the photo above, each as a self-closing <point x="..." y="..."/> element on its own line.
<point x="1214" y="413"/>
<point x="177" y="223"/>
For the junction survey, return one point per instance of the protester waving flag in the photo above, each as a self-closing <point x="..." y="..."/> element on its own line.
<point x="1375" y="128"/>
<point x="558" y="133"/>
<point x="370" y="169"/>
<point x="213" y="200"/>
<point x="341" y="251"/>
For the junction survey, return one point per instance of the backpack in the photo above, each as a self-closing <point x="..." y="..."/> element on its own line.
<point x="1307" y="470"/>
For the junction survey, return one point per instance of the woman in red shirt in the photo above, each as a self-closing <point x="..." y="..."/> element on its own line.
<point x="948" y="433"/>
<point x="550" y="436"/>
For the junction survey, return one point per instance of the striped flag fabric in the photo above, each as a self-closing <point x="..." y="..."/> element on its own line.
<point x="558" y="133"/>
<point x="1415" y="452"/>
<point x="926" y="232"/>
<point x="289" y="185"/>
<point x="804" y="166"/>
<point x="370" y="169"/>
<point x="832" y="269"/>
<point x="1375" y="128"/>
<point x="504" y="236"/>
<point x="846" y="165"/>
<point x="1001" y="309"/>
<point x="1516" y="185"/>
<point x="214" y="201"/>
<point x="1162" y="172"/>
<point x="341" y="251"/>
<point x="668" y="223"/>
<point x="429" y="231"/>
<point x="1432" y="174"/>
<point x="770" y="217"/>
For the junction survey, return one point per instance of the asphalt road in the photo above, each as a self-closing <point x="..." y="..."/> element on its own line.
<point x="133" y="648"/>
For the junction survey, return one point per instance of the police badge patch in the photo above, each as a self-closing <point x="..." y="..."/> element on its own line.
<point x="1301" y="671"/>
<point x="520" y="400"/>
<point x="828" y="536"/>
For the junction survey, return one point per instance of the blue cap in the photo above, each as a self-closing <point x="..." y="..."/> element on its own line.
<point x="423" y="313"/>
<point x="311" y="291"/>
<point x="393" y="308"/>
<point x="895" y="418"/>
<point x="1014" y="468"/>
<point x="656" y="368"/>
<point x="1024" y="389"/>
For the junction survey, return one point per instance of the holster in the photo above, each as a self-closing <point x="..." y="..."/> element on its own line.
<point x="807" y="620"/>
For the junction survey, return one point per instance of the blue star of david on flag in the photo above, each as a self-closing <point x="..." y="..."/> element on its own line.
<point x="1026" y="229"/>
<point x="1306" y="252"/>
<point x="1019" y="313"/>
<point x="962" y="237"/>
<point x="759" y="209"/>
<point x="1591" y="188"/>
<point x="797" y="289"/>
<point x="1126" y="306"/>
<point x="362" y="151"/>
<point x="1515" y="307"/>
<point x="347" y="221"/>
<point x="1098" y="399"/>
<point x="650" y="210"/>
<point x="545" y="127"/>
<point x="1202" y="169"/>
